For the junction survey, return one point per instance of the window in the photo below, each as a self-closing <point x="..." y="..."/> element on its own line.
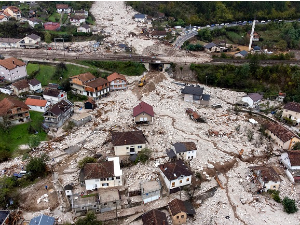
<point x="114" y="202"/>
<point x="41" y="107"/>
<point x="180" y="181"/>
<point x="127" y="147"/>
<point x="187" y="179"/>
<point x="173" y="184"/>
<point x="118" y="178"/>
<point x="177" y="217"/>
<point x="182" y="216"/>
<point x="140" y="146"/>
<point x="274" y="187"/>
<point x="105" y="204"/>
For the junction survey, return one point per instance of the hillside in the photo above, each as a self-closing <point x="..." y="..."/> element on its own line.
<point x="202" y="13"/>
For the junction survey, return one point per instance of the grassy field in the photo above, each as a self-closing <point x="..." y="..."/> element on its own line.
<point x="19" y="135"/>
<point x="45" y="74"/>
<point x="55" y="17"/>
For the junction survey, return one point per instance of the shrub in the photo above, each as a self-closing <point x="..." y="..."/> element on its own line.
<point x="275" y="195"/>
<point x="289" y="205"/>
<point x="143" y="156"/>
<point x="86" y="160"/>
<point x="37" y="167"/>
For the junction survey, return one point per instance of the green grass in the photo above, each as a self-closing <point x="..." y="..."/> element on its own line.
<point x="55" y="17"/>
<point x="19" y="135"/>
<point x="46" y="72"/>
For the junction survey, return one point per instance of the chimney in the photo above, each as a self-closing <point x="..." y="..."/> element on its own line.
<point x="125" y="141"/>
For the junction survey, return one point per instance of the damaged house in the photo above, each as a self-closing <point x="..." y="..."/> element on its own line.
<point x="185" y="150"/>
<point x="143" y="113"/>
<point x="195" y="94"/>
<point x="179" y="210"/>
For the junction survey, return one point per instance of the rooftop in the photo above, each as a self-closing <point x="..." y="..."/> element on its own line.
<point x="293" y="106"/>
<point x="280" y="131"/>
<point x="35" y="102"/>
<point x="11" y="63"/>
<point x="173" y="170"/>
<point x="98" y="170"/>
<point x="294" y="157"/>
<point x="193" y="90"/>
<point x="114" y="76"/>
<point x="150" y="186"/>
<point x="266" y="173"/>
<point x="97" y="82"/>
<point x="34" y="36"/>
<point x="62" y="6"/>
<point x="108" y="195"/>
<point x="60" y="107"/>
<point x="128" y="138"/>
<point x="154" y="217"/>
<point x="9" y="103"/>
<point x="21" y="84"/>
<point x="143" y="107"/>
<point x="34" y="82"/>
<point x="254" y="96"/>
<point x="84" y="77"/>
<point x="176" y="206"/>
<point x="184" y="146"/>
<point x="42" y="220"/>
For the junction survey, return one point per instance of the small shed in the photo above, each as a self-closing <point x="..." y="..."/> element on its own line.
<point x="68" y="189"/>
<point x="90" y="104"/>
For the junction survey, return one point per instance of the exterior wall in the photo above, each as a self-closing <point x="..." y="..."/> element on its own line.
<point x="103" y="183"/>
<point x="18" y="117"/>
<point x="286" y="145"/>
<point x="6" y="91"/>
<point x="275" y="138"/>
<point x="82" y="29"/>
<point x="4" y="19"/>
<point x="35" y="88"/>
<point x="39" y="108"/>
<point x="53" y="121"/>
<point x="98" y="94"/>
<point x="239" y="55"/>
<point x="18" y="92"/>
<point x="202" y="102"/>
<point x="179" y="218"/>
<point x="140" y="20"/>
<point x="79" y="89"/>
<point x="188" y="98"/>
<point x="190" y="155"/>
<point x="64" y="10"/>
<point x="9" y="45"/>
<point x="14" y="74"/>
<point x="179" y="182"/>
<point x="57" y="99"/>
<point x="271" y="185"/>
<point x="82" y="121"/>
<point x="125" y="149"/>
<point x="118" y="84"/>
<point x="291" y="114"/>
<point x="248" y="100"/>
<point x="143" y="117"/>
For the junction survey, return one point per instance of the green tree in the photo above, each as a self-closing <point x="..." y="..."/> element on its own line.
<point x="254" y="64"/>
<point x="48" y="37"/>
<point x="89" y="219"/>
<point x="34" y="141"/>
<point x="296" y="146"/>
<point x="86" y="160"/>
<point x="143" y="156"/>
<point x="289" y="205"/>
<point x="6" y="194"/>
<point x="282" y="45"/>
<point x="36" y="167"/>
<point x="222" y="14"/>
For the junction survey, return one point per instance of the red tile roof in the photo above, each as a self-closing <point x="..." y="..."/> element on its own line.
<point x="97" y="82"/>
<point x="294" y="157"/>
<point x="128" y="138"/>
<point x="51" y="26"/>
<point x="36" y="102"/>
<point x="114" y="76"/>
<point x="98" y="170"/>
<point x="62" y="6"/>
<point x="9" y="103"/>
<point x="11" y="63"/>
<point x="143" y="107"/>
<point x="21" y="84"/>
<point x="280" y="131"/>
<point x="154" y="217"/>
<point x="176" y="206"/>
<point x="173" y="170"/>
<point x="84" y="77"/>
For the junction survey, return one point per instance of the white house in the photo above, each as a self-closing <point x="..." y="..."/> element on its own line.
<point x="175" y="174"/>
<point x="54" y="95"/>
<point x="117" y="81"/>
<point x="265" y="178"/>
<point x="185" y="150"/>
<point x="37" y="104"/>
<point x="291" y="110"/>
<point x="6" y="90"/>
<point x="34" y="85"/>
<point x="85" y="28"/>
<point x="291" y="160"/>
<point x="102" y="175"/>
<point x="128" y="143"/>
<point x="3" y="18"/>
<point x="30" y="41"/>
<point x="241" y="54"/>
<point x="140" y="18"/>
<point x="77" y="20"/>
<point x="12" y="69"/>
<point x="252" y="99"/>
<point x="34" y="21"/>
<point x="63" y="8"/>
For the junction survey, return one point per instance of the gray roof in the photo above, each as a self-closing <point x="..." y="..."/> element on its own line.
<point x="189" y="208"/>
<point x="205" y="97"/>
<point x="171" y="154"/>
<point x="86" y="26"/>
<point x="139" y="16"/>
<point x="179" y="147"/>
<point x="3" y="215"/>
<point x="256" y="48"/>
<point x="193" y="90"/>
<point x="210" y="45"/>
<point x="42" y="220"/>
<point x="254" y="96"/>
<point x="243" y="53"/>
<point x="34" y="36"/>
<point x="122" y="45"/>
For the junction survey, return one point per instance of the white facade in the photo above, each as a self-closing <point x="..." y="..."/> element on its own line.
<point x="271" y="185"/>
<point x="189" y="154"/>
<point x="118" y="84"/>
<point x="286" y="162"/>
<point x="68" y="10"/>
<point x="179" y="182"/>
<point x="128" y="149"/>
<point x="6" y="90"/>
<point x="53" y="100"/>
<point x="84" y="30"/>
<point x="39" y="108"/>
<point x="248" y="100"/>
<point x="114" y="181"/>
<point x="14" y="74"/>
<point x="4" y="19"/>
<point x="77" y="22"/>
<point x="96" y="95"/>
<point x="35" y="87"/>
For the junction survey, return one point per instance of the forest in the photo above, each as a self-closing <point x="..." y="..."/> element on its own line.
<point x="252" y="77"/>
<point x="201" y="13"/>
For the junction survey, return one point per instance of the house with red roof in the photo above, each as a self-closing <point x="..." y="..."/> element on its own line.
<point x="143" y="113"/>
<point x="38" y="105"/>
<point x="12" y="69"/>
<point x="51" y="26"/>
<point x="291" y="110"/>
<point x="14" y="110"/>
<point x="281" y="136"/>
<point x="117" y="81"/>
<point x="63" y="8"/>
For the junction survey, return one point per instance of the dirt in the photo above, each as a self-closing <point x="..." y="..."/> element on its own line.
<point x="30" y="195"/>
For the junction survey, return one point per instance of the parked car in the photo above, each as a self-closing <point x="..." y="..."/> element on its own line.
<point x="207" y="26"/>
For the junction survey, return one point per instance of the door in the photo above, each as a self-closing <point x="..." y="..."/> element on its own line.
<point x="132" y="151"/>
